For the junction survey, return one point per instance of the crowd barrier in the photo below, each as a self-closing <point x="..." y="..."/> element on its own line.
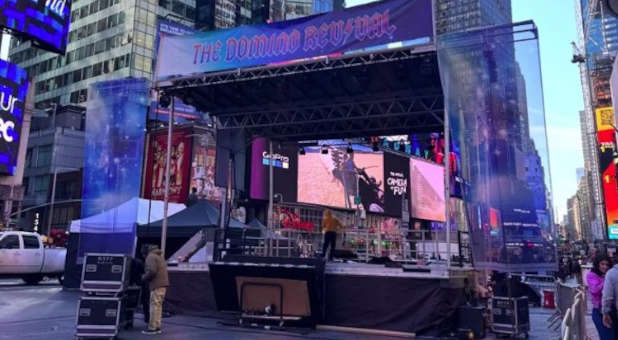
<point x="570" y="316"/>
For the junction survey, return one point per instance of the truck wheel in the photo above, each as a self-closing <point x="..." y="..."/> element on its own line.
<point x="32" y="279"/>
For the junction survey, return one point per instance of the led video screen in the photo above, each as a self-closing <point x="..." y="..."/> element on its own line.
<point x="337" y="177"/>
<point x="13" y="91"/>
<point x="427" y="191"/>
<point x="46" y="22"/>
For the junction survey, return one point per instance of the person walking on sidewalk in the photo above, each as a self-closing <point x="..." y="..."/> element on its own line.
<point x="330" y="226"/>
<point x="609" y="300"/>
<point x="596" y="280"/>
<point x="158" y="281"/>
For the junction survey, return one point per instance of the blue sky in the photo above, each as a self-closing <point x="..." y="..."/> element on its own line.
<point x="562" y="88"/>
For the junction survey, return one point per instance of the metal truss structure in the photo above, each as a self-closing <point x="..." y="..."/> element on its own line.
<point x="269" y="101"/>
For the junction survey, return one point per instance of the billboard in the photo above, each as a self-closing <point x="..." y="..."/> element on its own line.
<point x="154" y="185"/>
<point x="285" y="170"/>
<point x="113" y="156"/>
<point x="607" y="147"/>
<point x="13" y="91"/>
<point x="330" y="33"/>
<point x="203" y="165"/>
<point x="337" y="178"/>
<point x="46" y="22"/>
<point x="427" y="200"/>
<point x="396" y="183"/>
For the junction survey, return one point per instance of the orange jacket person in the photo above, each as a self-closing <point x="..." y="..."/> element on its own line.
<point x="330" y="226"/>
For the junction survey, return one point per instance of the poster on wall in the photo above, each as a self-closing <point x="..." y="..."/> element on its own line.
<point x="285" y="170"/>
<point x="203" y="168"/>
<point x="337" y="178"/>
<point x="46" y="22"/>
<point x="154" y="185"/>
<point x="427" y="191"/>
<point x="13" y="91"/>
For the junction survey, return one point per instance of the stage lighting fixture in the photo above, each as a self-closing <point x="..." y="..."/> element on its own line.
<point x="302" y="152"/>
<point x="164" y="100"/>
<point x="375" y="147"/>
<point x="324" y="149"/>
<point x="349" y="149"/>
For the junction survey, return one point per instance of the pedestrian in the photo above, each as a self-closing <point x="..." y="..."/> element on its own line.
<point x="330" y="226"/>
<point x="158" y="281"/>
<point x="595" y="280"/>
<point x="193" y="198"/>
<point x="145" y="290"/>
<point x="609" y="295"/>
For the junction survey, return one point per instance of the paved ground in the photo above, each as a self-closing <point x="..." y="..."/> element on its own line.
<point x="48" y="312"/>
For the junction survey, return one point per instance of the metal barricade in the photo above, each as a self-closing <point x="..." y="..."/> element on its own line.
<point x="573" y="323"/>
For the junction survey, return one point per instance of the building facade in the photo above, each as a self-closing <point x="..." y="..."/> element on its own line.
<point x="462" y="15"/>
<point x="598" y="44"/>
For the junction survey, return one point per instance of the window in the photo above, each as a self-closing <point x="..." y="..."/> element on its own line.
<point x="41" y="184"/>
<point x="44" y="156"/>
<point x="10" y="242"/>
<point x="96" y="69"/>
<point x="31" y="242"/>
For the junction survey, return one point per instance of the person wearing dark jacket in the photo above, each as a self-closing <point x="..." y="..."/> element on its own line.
<point x="145" y="291"/>
<point x="156" y="276"/>
<point x="192" y="198"/>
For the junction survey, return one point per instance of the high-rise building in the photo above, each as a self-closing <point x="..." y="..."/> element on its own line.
<point x="461" y="15"/>
<point x="108" y="39"/>
<point x="598" y="41"/>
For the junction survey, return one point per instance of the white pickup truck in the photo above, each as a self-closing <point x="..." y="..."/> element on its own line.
<point x="23" y="255"/>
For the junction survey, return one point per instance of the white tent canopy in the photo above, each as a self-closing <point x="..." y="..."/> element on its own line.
<point x="124" y="217"/>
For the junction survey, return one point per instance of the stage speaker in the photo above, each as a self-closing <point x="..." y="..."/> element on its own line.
<point x="106" y="273"/>
<point x="471" y="320"/>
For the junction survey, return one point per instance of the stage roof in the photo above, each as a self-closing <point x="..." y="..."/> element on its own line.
<point x="386" y="92"/>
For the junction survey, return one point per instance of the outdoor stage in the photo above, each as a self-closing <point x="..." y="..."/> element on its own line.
<point x="356" y="296"/>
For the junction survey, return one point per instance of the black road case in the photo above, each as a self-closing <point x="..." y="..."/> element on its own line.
<point x="106" y="273"/>
<point x="510" y="315"/>
<point x="100" y="317"/>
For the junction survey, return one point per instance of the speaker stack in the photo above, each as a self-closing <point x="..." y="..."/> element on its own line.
<point x="108" y="302"/>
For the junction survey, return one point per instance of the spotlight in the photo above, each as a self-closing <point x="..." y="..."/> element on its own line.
<point x="349" y="149"/>
<point x="164" y="100"/>
<point x="324" y="150"/>
<point x="302" y="152"/>
<point x="375" y="147"/>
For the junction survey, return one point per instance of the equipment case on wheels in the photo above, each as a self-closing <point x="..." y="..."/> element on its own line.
<point x="510" y="316"/>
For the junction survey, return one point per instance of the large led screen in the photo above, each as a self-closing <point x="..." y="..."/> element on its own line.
<point x="13" y="91"/>
<point x="337" y="177"/>
<point x="46" y="22"/>
<point x="427" y="191"/>
<point x="285" y="170"/>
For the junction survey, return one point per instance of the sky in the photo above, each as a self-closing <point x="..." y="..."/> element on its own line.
<point x="562" y="89"/>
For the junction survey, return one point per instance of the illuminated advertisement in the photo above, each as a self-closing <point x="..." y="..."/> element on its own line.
<point x="203" y="168"/>
<point x="354" y="29"/>
<point x="285" y="168"/>
<point x="46" y="22"/>
<point x="154" y="185"/>
<point x="336" y="178"/>
<point x="427" y="191"/>
<point x="13" y="91"/>
<point x="396" y="183"/>
<point x="607" y="147"/>
<point x="113" y="158"/>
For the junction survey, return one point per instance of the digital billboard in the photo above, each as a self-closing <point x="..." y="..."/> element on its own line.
<point x="203" y="168"/>
<point x="607" y="146"/>
<point x="337" y="177"/>
<point x="427" y="200"/>
<point x="45" y="22"/>
<point x="13" y="91"/>
<point x="154" y="185"/>
<point x="396" y="183"/>
<point x="285" y="170"/>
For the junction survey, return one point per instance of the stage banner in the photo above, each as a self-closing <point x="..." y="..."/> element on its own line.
<point x="607" y="148"/>
<point x="13" y="91"/>
<point x="113" y="156"/>
<point x="397" y="183"/>
<point x="46" y="22"/>
<point x="330" y="33"/>
<point x="154" y="185"/>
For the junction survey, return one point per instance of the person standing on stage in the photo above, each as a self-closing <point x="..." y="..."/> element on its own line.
<point x="330" y="226"/>
<point x="158" y="281"/>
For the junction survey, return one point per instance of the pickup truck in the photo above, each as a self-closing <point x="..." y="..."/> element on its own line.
<point x="22" y="255"/>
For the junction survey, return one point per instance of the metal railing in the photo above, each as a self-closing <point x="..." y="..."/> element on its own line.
<point x="570" y="315"/>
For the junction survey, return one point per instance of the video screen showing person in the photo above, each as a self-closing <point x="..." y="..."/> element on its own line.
<point x="335" y="178"/>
